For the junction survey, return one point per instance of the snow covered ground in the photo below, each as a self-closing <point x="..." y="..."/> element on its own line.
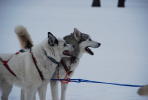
<point x="121" y="58"/>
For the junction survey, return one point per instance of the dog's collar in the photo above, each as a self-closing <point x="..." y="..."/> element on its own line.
<point x="51" y="58"/>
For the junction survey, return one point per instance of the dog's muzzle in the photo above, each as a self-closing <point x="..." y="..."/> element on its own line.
<point x="89" y="51"/>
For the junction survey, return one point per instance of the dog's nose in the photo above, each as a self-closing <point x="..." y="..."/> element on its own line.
<point x="99" y="44"/>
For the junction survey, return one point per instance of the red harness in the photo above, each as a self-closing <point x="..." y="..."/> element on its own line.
<point x="67" y="70"/>
<point x="5" y="63"/>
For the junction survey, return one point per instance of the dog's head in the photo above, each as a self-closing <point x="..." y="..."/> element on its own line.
<point x="59" y="46"/>
<point x="82" y="41"/>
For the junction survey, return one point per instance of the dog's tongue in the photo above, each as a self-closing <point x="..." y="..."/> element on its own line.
<point x="89" y="51"/>
<point x="67" y="53"/>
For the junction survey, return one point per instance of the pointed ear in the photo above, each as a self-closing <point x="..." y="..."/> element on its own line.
<point x="77" y="34"/>
<point x="52" y="40"/>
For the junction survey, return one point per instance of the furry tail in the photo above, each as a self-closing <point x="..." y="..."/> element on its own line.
<point x="143" y="91"/>
<point x="24" y="37"/>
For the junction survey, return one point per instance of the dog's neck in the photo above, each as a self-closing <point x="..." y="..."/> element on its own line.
<point x="39" y="51"/>
<point x="78" y="51"/>
<point x="54" y="51"/>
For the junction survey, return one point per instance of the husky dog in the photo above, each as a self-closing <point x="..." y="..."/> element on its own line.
<point x="143" y="91"/>
<point x="81" y="43"/>
<point x="32" y="69"/>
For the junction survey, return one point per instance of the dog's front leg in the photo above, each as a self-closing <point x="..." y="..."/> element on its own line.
<point x="23" y="95"/>
<point x="42" y="91"/>
<point x="54" y="90"/>
<point x="63" y="91"/>
<point x="5" y="89"/>
<point x="29" y="93"/>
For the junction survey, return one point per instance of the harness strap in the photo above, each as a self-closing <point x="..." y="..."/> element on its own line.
<point x="65" y="67"/>
<point x="68" y="72"/>
<point x="66" y="78"/>
<point x="5" y="63"/>
<point x="35" y="63"/>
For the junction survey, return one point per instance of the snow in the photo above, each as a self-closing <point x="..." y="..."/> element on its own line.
<point x="121" y="58"/>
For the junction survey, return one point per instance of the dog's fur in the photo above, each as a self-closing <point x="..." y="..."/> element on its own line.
<point x="143" y="91"/>
<point x="80" y="41"/>
<point x="23" y="66"/>
<point x="24" y="37"/>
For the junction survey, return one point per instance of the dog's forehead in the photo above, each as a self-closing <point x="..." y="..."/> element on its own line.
<point x="69" y="38"/>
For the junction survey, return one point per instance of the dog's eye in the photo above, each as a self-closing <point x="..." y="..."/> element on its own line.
<point x="89" y="39"/>
<point x="73" y="46"/>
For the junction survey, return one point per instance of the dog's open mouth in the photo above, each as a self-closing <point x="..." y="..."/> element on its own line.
<point x="89" y="51"/>
<point x="67" y="53"/>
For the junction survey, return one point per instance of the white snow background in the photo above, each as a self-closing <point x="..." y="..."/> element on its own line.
<point x="123" y="32"/>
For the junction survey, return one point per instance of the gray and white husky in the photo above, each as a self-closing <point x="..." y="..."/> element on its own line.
<point x="32" y="69"/>
<point x="82" y="44"/>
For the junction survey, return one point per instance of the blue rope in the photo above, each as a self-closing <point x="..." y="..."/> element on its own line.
<point x="89" y="81"/>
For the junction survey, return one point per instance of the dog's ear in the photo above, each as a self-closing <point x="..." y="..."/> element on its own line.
<point x="77" y="34"/>
<point x="52" y="40"/>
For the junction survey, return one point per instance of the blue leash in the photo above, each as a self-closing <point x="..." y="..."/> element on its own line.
<point x="89" y="81"/>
